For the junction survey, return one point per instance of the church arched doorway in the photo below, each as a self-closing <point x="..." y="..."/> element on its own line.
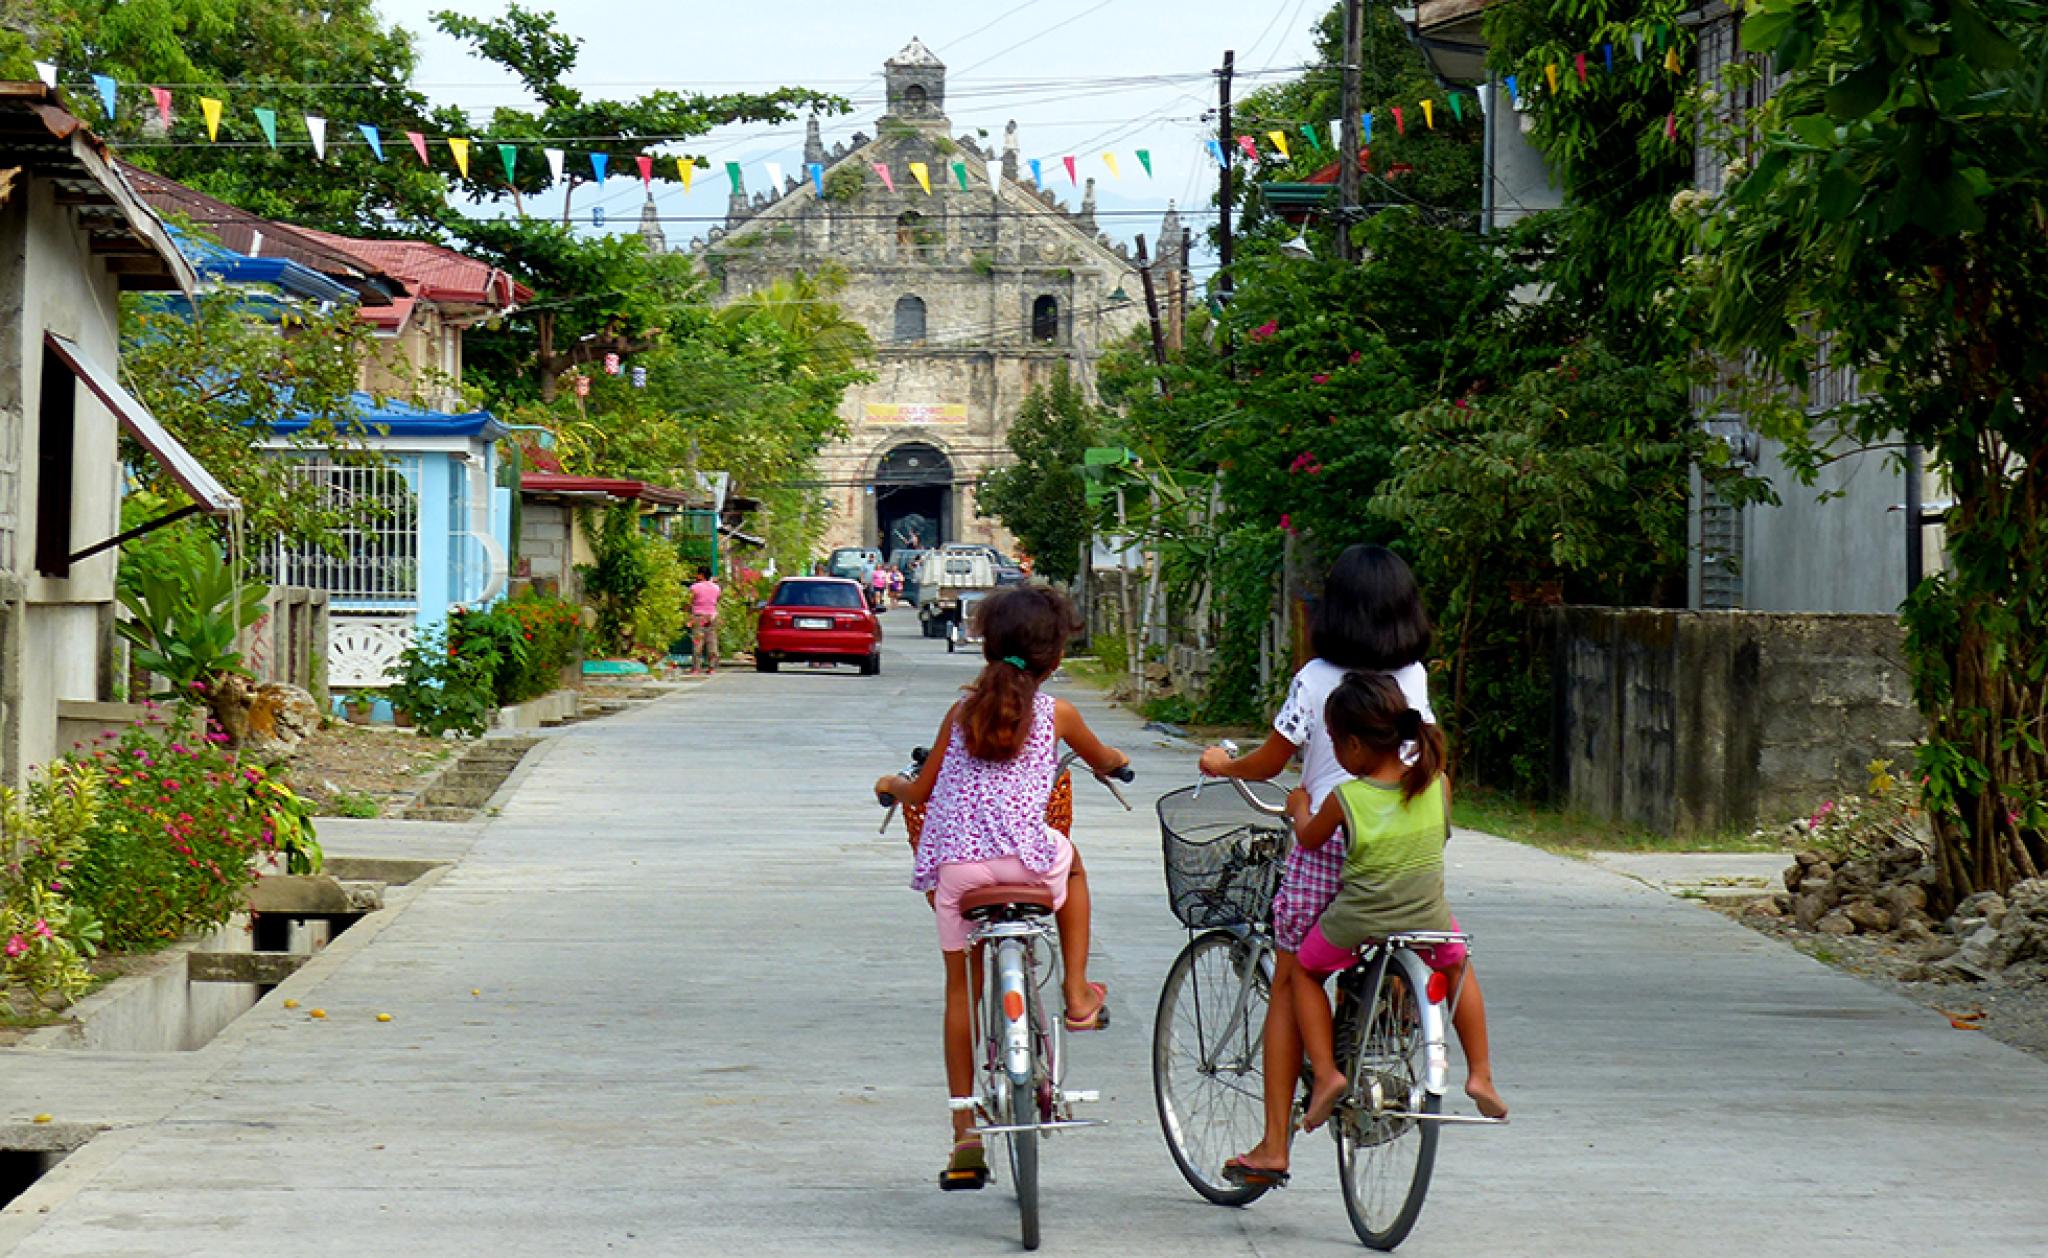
<point x="913" y="495"/>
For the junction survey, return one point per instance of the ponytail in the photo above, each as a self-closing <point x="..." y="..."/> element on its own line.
<point x="1024" y="631"/>
<point x="1371" y="708"/>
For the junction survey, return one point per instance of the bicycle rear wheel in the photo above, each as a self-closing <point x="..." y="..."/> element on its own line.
<point x="1384" y="1159"/>
<point x="1025" y="1110"/>
<point x="1208" y="1064"/>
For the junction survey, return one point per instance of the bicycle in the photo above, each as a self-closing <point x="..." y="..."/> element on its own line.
<point x="1391" y="1016"/>
<point x="1021" y="1067"/>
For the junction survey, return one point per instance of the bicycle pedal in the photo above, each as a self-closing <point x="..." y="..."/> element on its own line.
<point x="962" y="1104"/>
<point x="963" y="1181"/>
<point x="1089" y="1097"/>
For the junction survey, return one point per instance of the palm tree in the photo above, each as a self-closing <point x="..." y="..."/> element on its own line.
<point x="804" y="306"/>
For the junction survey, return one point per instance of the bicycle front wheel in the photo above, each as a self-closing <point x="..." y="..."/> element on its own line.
<point x="1384" y="1154"/>
<point x="1208" y="1060"/>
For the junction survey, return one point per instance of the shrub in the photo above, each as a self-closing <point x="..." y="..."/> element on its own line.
<point x="43" y="832"/>
<point x="447" y="690"/>
<point x="553" y="633"/>
<point x="182" y="826"/>
<point x="661" y="613"/>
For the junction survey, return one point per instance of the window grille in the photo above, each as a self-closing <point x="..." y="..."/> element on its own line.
<point x="377" y="564"/>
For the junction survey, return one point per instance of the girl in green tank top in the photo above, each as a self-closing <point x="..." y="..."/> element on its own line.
<point x="1395" y="812"/>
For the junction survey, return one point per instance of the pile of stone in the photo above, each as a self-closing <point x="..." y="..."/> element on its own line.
<point x="1994" y="936"/>
<point x="1883" y="893"/>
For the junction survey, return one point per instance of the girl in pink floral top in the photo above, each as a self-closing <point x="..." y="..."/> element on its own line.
<point x="987" y="784"/>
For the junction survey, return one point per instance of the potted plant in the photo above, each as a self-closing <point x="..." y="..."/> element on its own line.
<point x="357" y="705"/>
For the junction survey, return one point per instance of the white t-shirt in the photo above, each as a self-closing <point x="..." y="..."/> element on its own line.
<point x="1300" y="720"/>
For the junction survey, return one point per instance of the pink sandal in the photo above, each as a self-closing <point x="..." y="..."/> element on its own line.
<point x="1099" y="1019"/>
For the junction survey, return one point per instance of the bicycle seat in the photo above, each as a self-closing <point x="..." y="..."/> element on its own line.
<point x="1026" y="899"/>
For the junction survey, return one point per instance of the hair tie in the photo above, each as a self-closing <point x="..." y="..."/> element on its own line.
<point x="1018" y="661"/>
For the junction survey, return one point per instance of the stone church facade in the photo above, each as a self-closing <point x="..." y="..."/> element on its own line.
<point x="973" y="298"/>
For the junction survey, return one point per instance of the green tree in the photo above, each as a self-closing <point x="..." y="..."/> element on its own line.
<point x="1042" y="496"/>
<point x="1890" y="226"/>
<point x="219" y="378"/>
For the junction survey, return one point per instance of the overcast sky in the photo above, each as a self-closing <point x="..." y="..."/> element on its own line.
<point x="1078" y="76"/>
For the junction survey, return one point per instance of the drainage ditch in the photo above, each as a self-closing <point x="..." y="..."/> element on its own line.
<point x="464" y="787"/>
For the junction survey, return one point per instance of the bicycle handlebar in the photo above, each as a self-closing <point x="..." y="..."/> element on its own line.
<point x="919" y="755"/>
<point x="1245" y="792"/>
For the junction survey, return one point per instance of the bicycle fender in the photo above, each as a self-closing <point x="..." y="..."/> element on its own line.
<point x="1436" y="1052"/>
<point x="1011" y="982"/>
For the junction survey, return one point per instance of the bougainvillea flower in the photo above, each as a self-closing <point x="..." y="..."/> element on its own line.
<point x="1266" y="329"/>
<point x="16" y="945"/>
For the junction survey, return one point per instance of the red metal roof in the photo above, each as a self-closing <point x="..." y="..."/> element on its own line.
<point x="431" y="271"/>
<point x="596" y="486"/>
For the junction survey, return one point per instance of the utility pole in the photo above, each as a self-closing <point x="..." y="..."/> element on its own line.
<point x="1224" y="283"/>
<point x="1152" y="313"/>
<point x="1347" y="161"/>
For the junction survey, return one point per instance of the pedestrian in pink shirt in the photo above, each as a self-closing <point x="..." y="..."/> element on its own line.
<point x="704" y="594"/>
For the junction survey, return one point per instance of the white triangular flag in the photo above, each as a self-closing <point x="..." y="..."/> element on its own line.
<point x="47" y="72"/>
<point x="554" y="157"/>
<point x="1337" y="134"/>
<point x="1485" y="94"/>
<point x="1635" y="41"/>
<point x="317" y="128"/>
<point x="774" y="176"/>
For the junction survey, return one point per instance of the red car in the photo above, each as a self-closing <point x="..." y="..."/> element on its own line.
<point x="818" y="620"/>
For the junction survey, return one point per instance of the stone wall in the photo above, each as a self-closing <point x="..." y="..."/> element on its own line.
<point x="1697" y="722"/>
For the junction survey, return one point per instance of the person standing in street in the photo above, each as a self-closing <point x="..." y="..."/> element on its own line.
<point x="704" y="595"/>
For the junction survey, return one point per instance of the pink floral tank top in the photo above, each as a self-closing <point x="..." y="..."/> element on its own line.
<point x="982" y="810"/>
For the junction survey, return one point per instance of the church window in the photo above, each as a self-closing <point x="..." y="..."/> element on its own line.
<point x="915" y="99"/>
<point x="1045" y="320"/>
<point x="912" y="236"/>
<point x="909" y="318"/>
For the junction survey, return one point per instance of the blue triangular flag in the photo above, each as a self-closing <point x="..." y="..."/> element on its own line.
<point x="818" y="177"/>
<point x="1514" y="95"/>
<point x="1037" y="177"/>
<point x="1365" y="132"/>
<point x="376" y="141"/>
<point x="1216" y="151"/>
<point x="106" y="86"/>
<point x="1607" y="51"/>
<point x="598" y="162"/>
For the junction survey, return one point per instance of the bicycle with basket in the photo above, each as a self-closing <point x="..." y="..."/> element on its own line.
<point x="1224" y="851"/>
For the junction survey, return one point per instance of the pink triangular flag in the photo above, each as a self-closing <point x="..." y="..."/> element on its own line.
<point x="1250" y="147"/>
<point x="1072" y="177"/>
<point x="646" y="170"/>
<point x="882" y="169"/>
<point x="163" y="104"/>
<point x="419" y="145"/>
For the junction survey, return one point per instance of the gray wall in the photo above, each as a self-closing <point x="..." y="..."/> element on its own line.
<point x="1845" y="554"/>
<point x="1521" y="183"/>
<point x="1697" y="722"/>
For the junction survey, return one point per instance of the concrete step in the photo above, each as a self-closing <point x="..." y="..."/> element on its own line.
<point x="431" y="812"/>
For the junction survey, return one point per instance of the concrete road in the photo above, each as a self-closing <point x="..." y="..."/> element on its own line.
<point x="707" y="1024"/>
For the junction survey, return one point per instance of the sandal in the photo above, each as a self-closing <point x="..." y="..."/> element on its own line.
<point x="1245" y="1175"/>
<point x="1099" y="1019"/>
<point x="967" y="1169"/>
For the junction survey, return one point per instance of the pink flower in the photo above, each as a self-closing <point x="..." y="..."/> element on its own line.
<point x="1461" y="404"/>
<point x="42" y="928"/>
<point x="170" y="784"/>
<point x="1286" y="522"/>
<point x="1319" y="379"/>
<point x="1357" y="355"/>
<point x="1265" y="330"/>
<point x="16" y="945"/>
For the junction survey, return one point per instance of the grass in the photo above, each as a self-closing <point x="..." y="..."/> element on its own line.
<point x="1574" y="834"/>
<point x="353" y="804"/>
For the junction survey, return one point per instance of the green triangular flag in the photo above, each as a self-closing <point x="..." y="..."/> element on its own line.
<point x="1145" y="160"/>
<point x="267" y="119"/>
<point x="960" y="173"/>
<point x="1457" y="107"/>
<point x="1315" y="141"/>
<point x="732" y="172"/>
<point x="510" y="156"/>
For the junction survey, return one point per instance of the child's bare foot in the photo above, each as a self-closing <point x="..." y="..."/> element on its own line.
<point x="1480" y="1089"/>
<point x="1324" y="1099"/>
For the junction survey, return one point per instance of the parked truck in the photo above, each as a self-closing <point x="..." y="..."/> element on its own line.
<point x="950" y="580"/>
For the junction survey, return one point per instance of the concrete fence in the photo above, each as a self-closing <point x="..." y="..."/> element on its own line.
<point x="288" y="643"/>
<point x="1696" y="722"/>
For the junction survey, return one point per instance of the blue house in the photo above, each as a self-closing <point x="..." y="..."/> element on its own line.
<point x="441" y="536"/>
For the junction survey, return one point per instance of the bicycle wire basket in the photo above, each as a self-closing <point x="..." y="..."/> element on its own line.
<point x="1222" y="856"/>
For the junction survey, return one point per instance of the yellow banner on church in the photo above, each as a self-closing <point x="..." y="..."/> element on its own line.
<point x="915" y="412"/>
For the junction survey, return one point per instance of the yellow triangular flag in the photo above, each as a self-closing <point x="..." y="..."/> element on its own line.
<point x="1550" y="72"/>
<point x="923" y="175"/>
<point x="1279" y="139"/>
<point x="1429" y="113"/>
<point x="686" y="170"/>
<point x="1109" y="160"/>
<point x="211" y="108"/>
<point x="460" y="147"/>
<point x="1671" y="60"/>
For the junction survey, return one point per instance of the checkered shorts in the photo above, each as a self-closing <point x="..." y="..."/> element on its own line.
<point x="1309" y="882"/>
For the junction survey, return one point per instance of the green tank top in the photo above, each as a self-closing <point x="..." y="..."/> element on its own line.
<point x="1393" y="863"/>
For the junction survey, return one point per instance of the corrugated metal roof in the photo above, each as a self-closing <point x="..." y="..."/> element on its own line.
<point x="432" y="271"/>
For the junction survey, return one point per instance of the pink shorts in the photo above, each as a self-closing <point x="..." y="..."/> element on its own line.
<point x="957" y="880"/>
<point x="1321" y="958"/>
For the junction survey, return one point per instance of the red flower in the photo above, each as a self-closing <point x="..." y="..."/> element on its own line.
<point x="1319" y="379"/>
<point x="1265" y="330"/>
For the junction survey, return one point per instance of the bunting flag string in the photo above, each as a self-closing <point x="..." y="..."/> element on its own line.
<point x="1635" y="41"/>
<point x="646" y="165"/>
<point x="686" y="170"/>
<point x="419" y="145"/>
<point x="47" y="72"/>
<point x="1579" y="64"/>
<point x="1428" y="113"/>
<point x="1215" y="151"/>
<point x="882" y="169"/>
<point x="960" y="173"/>
<point x="509" y="155"/>
<point x="1251" y="149"/>
<point x="459" y="146"/>
<point x="1514" y="94"/>
<point x="316" y="130"/>
<point x="1109" y="160"/>
<point x="817" y="179"/>
<point x="267" y="119"/>
<point x="1607" y="55"/>
<point x="162" y="97"/>
<point x="923" y="174"/>
<point x="1145" y="160"/>
<point x="554" y="158"/>
<point x="1400" y="127"/>
<point x="774" y="170"/>
<point x="1365" y="129"/>
<point x="209" y="108"/>
<point x="105" y="85"/>
<point x="373" y="138"/>
<point x="1457" y="107"/>
<point x="1550" y="74"/>
<point x="1038" y="174"/>
<point x="1072" y="177"/>
<point x="732" y="172"/>
<point x="598" y="162"/>
<point x="1279" y="139"/>
<point x="1315" y="142"/>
